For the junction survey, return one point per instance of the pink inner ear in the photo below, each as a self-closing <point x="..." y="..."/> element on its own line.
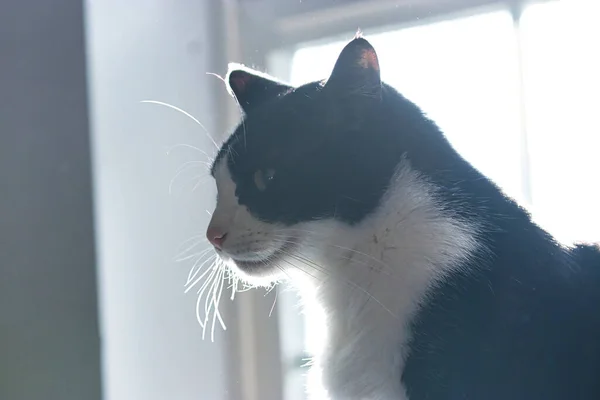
<point x="368" y="59"/>
<point x="240" y="82"/>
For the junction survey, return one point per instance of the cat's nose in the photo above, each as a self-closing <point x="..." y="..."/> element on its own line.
<point x="216" y="236"/>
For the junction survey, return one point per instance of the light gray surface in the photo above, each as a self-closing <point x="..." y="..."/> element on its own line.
<point x="157" y="50"/>
<point x="49" y="345"/>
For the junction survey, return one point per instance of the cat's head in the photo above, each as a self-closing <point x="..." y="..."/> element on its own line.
<point x="303" y="160"/>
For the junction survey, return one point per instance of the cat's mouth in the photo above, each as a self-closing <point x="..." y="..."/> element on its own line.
<point x="275" y="260"/>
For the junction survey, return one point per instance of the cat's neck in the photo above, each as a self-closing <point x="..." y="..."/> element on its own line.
<point x="377" y="275"/>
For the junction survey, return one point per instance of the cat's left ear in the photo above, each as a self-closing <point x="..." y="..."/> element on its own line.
<point x="252" y="88"/>
<point x="356" y="71"/>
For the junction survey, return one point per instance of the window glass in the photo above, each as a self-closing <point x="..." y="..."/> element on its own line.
<point x="562" y="85"/>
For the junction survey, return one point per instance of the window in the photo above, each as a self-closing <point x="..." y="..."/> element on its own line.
<point x="562" y="82"/>
<point x="516" y="95"/>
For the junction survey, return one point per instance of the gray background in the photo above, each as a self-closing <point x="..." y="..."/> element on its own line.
<point x="49" y="342"/>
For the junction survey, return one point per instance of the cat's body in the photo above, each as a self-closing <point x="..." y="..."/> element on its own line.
<point x="434" y="284"/>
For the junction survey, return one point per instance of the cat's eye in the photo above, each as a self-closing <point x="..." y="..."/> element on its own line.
<point x="262" y="178"/>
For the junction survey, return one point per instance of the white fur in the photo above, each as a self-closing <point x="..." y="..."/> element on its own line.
<point x="365" y="282"/>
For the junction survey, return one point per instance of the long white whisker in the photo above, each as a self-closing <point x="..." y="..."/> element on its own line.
<point x="191" y="163"/>
<point x="300" y="269"/>
<point x="232" y="283"/>
<point x="200" y="293"/>
<point x="173" y="180"/>
<point x="198" y="318"/>
<point x="201" y="179"/>
<point x="182" y="254"/>
<point x="273" y="306"/>
<point x="191" y="284"/>
<point x="184" y="113"/>
<point x="217" y="314"/>
<point x="170" y="149"/>
<point x="194" y="271"/>
<point x="290" y="240"/>
<point x="338" y="246"/>
<point x="215" y="305"/>
<point x="310" y="263"/>
<point x="217" y="76"/>
<point x="209" y="304"/>
<point x="197" y="256"/>
<point x="185" y="167"/>
<point x="206" y="310"/>
<point x="199" y="238"/>
<point x="212" y="270"/>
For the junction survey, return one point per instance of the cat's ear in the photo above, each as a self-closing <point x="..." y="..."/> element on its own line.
<point x="252" y="88"/>
<point x="356" y="70"/>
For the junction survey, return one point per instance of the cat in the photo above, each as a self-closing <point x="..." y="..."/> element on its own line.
<point x="434" y="284"/>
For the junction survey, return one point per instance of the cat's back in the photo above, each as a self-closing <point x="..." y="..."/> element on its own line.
<point x="523" y="327"/>
<point x="588" y="257"/>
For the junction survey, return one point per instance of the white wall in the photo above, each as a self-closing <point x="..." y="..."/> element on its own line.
<point x="159" y="50"/>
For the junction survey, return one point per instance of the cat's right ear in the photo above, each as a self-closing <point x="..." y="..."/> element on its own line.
<point x="356" y="71"/>
<point x="252" y="88"/>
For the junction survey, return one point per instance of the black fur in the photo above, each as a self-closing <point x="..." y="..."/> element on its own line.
<point x="522" y="323"/>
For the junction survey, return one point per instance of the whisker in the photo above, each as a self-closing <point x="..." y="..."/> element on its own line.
<point x="273" y="306"/>
<point x="199" y="237"/>
<point x="211" y="269"/>
<point x="213" y="280"/>
<point x="297" y="267"/>
<point x="193" y="162"/>
<point x="214" y="305"/>
<point x="217" y="314"/>
<point x="184" y="113"/>
<point x="177" y="174"/>
<point x="199" y="257"/>
<point x="321" y="269"/>
<point x="207" y="303"/>
<point x="207" y="282"/>
<point x="201" y="179"/>
<point x="198" y="318"/>
<point x="182" y="257"/>
<point x="192" y="284"/>
<point x="170" y="149"/>
<point x="217" y="76"/>
<point x="387" y="270"/>
<point x="214" y="297"/>
<point x="194" y="255"/>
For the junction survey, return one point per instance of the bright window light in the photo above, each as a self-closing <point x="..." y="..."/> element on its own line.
<point x="562" y="86"/>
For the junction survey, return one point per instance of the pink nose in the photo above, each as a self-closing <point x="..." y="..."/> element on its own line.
<point x="216" y="236"/>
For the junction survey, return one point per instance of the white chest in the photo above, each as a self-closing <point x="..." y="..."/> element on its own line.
<point x="375" y="277"/>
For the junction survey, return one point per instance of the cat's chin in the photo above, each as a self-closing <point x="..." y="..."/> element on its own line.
<point x="253" y="267"/>
<point x="256" y="273"/>
<point x="269" y="267"/>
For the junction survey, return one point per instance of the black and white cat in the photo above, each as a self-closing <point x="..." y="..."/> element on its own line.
<point x="434" y="284"/>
